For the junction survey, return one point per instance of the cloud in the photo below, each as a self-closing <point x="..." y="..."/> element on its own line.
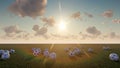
<point x="108" y="14"/>
<point x="42" y="31"/>
<point x="31" y="8"/>
<point x="116" y="21"/>
<point x="49" y="21"/>
<point x="76" y="15"/>
<point x="85" y="36"/>
<point x="36" y="27"/>
<point x="113" y="35"/>
<point x="24" y="35"/>
<point x="39" y="31"/>
<point x="93" y="31"/>
<point x="88" y="15"/>
<point x="11" y="30"/>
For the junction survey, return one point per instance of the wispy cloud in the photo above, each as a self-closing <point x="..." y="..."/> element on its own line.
<point x="76" y="15"/>
<point x="93" y="31"/>
<point x="117" y="21"/>
<point x="11" y="30"/>
<point x="88" y="15"/>
<point x="107" y="14"/>
<point x="49" y="21"/>
<point x="39" y="31"/>
<point x="113" y="35"/>
<point x="36" y="27"/>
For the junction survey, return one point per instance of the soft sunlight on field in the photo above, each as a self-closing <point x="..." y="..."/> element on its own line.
<point x="23" y="58"/>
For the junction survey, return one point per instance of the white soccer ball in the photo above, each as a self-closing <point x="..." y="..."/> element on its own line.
<point x="76" y="51"/>
<point x="12" y="51"/>
<point x="52" y="55"/>
<point x="1" y="52"/>
<point x="106" y="48"/>
<point x="90" y="50"/>
<point x="33" y="49"/>
<point x="114" y="57"/>
<point x="5" y="55"/>
<point x="46" y="53"/>
<point x="36" y="51"/>
<point x="71" y="53"/>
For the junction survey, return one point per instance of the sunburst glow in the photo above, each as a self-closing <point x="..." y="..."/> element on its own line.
<point x="62" y="25"/>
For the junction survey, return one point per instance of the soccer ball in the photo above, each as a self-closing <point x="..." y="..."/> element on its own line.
<point x="77" y="51"/>
<point x="5" y="55"/>
<point x="46" y="53"/>
<point x="71" y="53"/>
<point x="114" y="57"/>
<point x="52" y="55"/>
<point x="36" y="51"/>
<point x="90" y="50"/>
<point x="1" y="52"/>
<point x="106" y="48"/>
<point x="12" y="51"/>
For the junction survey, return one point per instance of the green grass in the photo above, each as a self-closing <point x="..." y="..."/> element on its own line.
<point x="23" y="57"/>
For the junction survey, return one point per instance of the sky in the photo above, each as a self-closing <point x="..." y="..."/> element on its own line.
<point x="62" y="21"/>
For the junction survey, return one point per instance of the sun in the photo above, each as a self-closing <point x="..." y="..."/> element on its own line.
<point x="62" y="25"/>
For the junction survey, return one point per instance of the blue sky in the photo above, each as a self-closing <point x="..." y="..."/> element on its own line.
<point x="94" y="7"/>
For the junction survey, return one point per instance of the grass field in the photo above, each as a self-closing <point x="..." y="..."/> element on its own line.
<point x="23" y="58"/>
